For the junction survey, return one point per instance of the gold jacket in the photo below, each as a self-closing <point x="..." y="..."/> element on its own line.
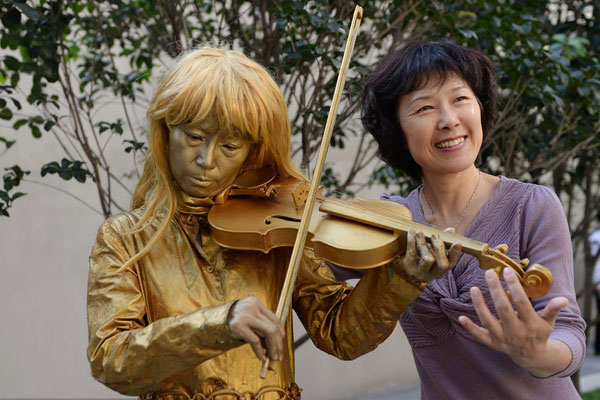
<point x="158" y="328"/>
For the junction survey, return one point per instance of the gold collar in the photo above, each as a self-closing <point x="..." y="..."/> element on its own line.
<point x="200" y="205"/>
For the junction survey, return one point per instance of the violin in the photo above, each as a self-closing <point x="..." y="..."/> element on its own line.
<point x="355" y="233"/>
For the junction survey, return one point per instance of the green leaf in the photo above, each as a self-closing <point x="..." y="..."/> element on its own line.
<point x="11" y="19"/>
<point x="584" y="91"/>
<point x="316" y="20"/>
<point x="16" y="196"/>
<point x="333" y="26"/>
<point x="49" y="168"/>
<point x="16" y="103"/>
<point x="48" y="125"/>
<point x="79" y="176"/>
<point x="6" y="114"/>
<point x="13" y="177"/>
<point x="19" y="123"/>
<point x="74" y="51"/>
<point x="523" y="29"/>
<point x="134" y="146"/>
<point x="35" y="131"/>
<point x="281" y="23"/>
<point x="12" y="63"/>
<point x="7" y="143"/>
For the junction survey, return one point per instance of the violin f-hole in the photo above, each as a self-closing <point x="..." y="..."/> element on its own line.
<point x="268" y="220"/>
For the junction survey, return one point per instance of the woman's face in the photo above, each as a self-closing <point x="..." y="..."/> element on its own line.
<point x="441" y="123"/>
<point x="205" y="159"/>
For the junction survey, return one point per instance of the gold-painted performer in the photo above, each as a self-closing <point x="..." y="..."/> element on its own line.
<point x="169" y="311"/>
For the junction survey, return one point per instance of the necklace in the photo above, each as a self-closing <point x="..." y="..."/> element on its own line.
<point x="462" y="213"/>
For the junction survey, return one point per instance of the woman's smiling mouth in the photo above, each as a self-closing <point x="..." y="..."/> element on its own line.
<point x="450" y="143"/>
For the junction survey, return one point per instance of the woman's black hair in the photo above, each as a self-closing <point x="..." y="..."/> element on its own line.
<point x="408" y="69"/>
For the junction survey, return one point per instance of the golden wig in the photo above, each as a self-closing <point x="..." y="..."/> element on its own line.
<point x="211" y="83"/>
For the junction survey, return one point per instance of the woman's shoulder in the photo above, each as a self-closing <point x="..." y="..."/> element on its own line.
<point x="529" y="208"/>
<point x="528" y="195"/>
<point x="123" y="221"/>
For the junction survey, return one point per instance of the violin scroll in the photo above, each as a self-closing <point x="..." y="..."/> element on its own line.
<point x="536" y="279"/>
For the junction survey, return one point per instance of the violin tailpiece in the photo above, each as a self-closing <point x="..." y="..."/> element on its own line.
<point x="265" y="191"/>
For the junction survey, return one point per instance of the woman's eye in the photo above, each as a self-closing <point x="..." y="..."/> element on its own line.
<point x="461" y="98"/>
<point x="230" y="147"/>
<point x="424" y="108"/>
<point x="193" y="137"/>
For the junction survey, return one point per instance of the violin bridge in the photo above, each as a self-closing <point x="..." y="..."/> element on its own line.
<point x="300" y="193"/>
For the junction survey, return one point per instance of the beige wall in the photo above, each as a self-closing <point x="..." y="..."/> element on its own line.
<point x="44" y="247"/>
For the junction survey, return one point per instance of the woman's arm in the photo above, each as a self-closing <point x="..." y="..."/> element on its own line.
<point x="546" y="335"/>
<point x="522" y="333"/>
<point x="348" y="322"/>
<point x="126" y="352"/>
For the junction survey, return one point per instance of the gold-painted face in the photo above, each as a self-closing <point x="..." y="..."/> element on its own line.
<point x="205" y="159"/>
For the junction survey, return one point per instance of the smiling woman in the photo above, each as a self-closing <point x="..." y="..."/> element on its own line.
<point x="430" y="105"/>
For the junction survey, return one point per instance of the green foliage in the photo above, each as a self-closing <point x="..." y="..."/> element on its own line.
<point x="11" y="180"/>
<point x="135" y="146"/>
<point x="67" y="169"/>
<point x="61" y="59"/>
<point x="74" y="53"/>
<point x="388" y="177"/>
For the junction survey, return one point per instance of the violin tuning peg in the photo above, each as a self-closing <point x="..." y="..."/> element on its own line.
<point x="524" y="262"/>
<point x="502" y="248"/>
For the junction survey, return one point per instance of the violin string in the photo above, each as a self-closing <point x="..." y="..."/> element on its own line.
<point x="374" y="209"/>
<point x="361" y="205"/>
<point x="367" y="206"/>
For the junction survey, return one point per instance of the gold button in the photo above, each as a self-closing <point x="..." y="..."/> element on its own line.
<point x="210" y="269"/>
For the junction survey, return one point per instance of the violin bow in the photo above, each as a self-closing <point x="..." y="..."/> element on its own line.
<point x="290" y="279"/>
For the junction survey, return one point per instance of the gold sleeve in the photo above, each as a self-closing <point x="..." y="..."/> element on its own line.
<point x="127" y="352"/>
<point x="349" y="322"/>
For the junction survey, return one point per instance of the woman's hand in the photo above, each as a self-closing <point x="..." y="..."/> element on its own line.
<point x="522" y="333"/>
<point x="251" y="321"/>
<point x="427" y="261"/>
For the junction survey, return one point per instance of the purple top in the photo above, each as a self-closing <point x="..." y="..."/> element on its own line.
<point x="451" y="364"/>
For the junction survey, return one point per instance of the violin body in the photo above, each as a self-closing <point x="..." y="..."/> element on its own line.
<point x="354" y="233"/>
<point x="251" y="223"/>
